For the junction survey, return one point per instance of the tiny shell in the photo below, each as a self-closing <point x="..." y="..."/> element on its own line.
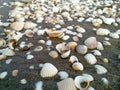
<point x="80" y="29"/>
<point x="48" y="70"/>
<point x="105" y="60"/>
<point x="91" y="42"/>
<point x="97" y="22"/>
<point x="29" y="25"/>
<point x="77" y="66"/>
<point x="75" y="38"/>
<point x="100" y="69"/>
<point x="2" y="42"/>
<point x="18" y="26"/>
<point x="63" y="74"/>
<point x="105" y="81"/>
<point x="2" y="57"/>
<point x="114" y="35"/>
<point x="15" y="73"/>
<point x="90" y="58"/>
<point x="66" y="84"/>
<point x="38" y="48"/>
<point x="3" y="75"/>
<point x="8" y="61"/>
<point x="66" y="37"/>
<point x="39" y="85"/>
<point x="48" y="42"/>
<point x="73" y="59"/>
<point x="30" y="56"/>
<point x="106" y="43"/>
<point x="29" y="33"/>
<point x="53" y="54"/>
<point x="23" y="81"/>
<point x="102" y="31"/>
<point x="109" y="21"/>
<point x="8" y="52"/>
<point x="72" y="45"/>
<point x="66" y="54"/>
<point x="100" y="46"/>
<point x="82" y="49"/>
<point x="97" y="52"/>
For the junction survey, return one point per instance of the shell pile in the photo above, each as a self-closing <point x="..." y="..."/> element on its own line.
<point x="43" y="31"/>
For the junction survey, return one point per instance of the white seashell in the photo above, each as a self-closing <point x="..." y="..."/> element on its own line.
<point x="57" y="26"/>
<point x="91" y="88"/>
<point x="40" y="32"/>
<point x="109" y="21"/>
<point x="48" y="42"/>
<point x="80" y="29"/>
<point x="53" y="54"/>
<point x="48" y="70"/>
<point x="106" y="43"/>
<point x="66" y="15"/>
<point x="29" y="25"/>
<point x="56" y="9"/>
<point x="106" y="38"/>
<point x="96" y="52"/>
<point x="100" y="46"/>
<point x="3" y="75"/>
<point x="73" y="59"/>
<point x="23" y="81"/>
<point x="63" y="74"/>
<point x="8" y="61"/>
<point x="81" y="19"/>
<point x="100" y="69"/>
<point x="90" y="58"/>
<point x="18" y="26"/>
<point x="66" y="54"/>
<point x="77" y="66"/>
<point x="29" y="33"/>
<point x="102" y="31"/>
<point x="2" y="42"/>
<point x="66" y="84"/>
<point x="105" y="81"/>
<point x="30" y="57"/>
<point x="41" y="41"/>
<point x="72" y="45"/>
<point x="2" y="57"/>
<point x="75" y="38"/>
<point x="97" y="22"/>
<point x="66" y="37"/>
<point x="80" y="35"/>
<point x="39" y="85"/>
<point x="8" y="52"/>
<point x="118" y="31"/>
<point x="82" y="49"/>
<point x="91" y="42"/>
<point x="38" y="48"/>
<point x="114" y="35"/>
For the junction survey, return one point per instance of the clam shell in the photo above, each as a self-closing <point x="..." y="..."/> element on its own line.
<point x="48" y="70"/>
<point x="91" y="42"/>
<point x="29" y="33"/>
<point x="77" y="66"/>
<point x="90" y="58"/>
<point x="53" y="54"/>
<point x="97" y="22"/>
<point x="18" y="26"/>
<point x="100" y="46"/>
<point x="100" y="69"/>
<point x="102" y="31"/>
<point x="29" y="25"/>
<point x="8" y="52"/>
<point x="72" y="45"/>
<point x="82" y="49"/>
<point x="73" y="59"/>
<point x="63" y="74"/>
<point x="66" y="84"/>
<point x="66" y="54"/>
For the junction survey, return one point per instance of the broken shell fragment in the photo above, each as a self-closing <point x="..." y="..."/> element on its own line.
<point x="29" y="25"/>
<point x="82" y="49"/>
<point x="100" y="69"/>
<point x="3" y="57"/>
<point x="66" y="84"/>
<point x="90" y="58"/>
<point x="73" y="59"/>
<point x="48" y="70"/>
<point x="15" y="73"/>
<point x="66" y="54"/>
<point x="18" y="26"/>
<point x="91" y="42"/>
<point x="2" y="42"/>
<point x="63" y="74"/>
<point x="23" y="81"/>
<point x="77" y="66"/>
<point x="3" y="75"/>
<point x="11" y="43"/>
<point x="8" y="52"/>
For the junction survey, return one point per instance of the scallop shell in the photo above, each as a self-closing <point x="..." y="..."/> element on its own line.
<point x="90" y="58"/>
<point x="82" y="49"/>
<point x="29" y="25"/>
<point x="18" y="26"/>
<point x="66" y="84"/>
<point x="48" y="70"/>
<point x="77" y="66"/>
<point x="73" y="59"/>
<point x="100" y="69"/>
<point x="102" y="31"/>
<point x="63" y="75"/>
<point x="91" y="42"/>
<point x="72" y="45"/>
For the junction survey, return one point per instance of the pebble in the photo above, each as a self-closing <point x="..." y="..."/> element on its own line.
<point x="105" y="60"/>
<point x="8" y="61"/>
<point x="15" y="73"/>
<point x="3" y="75"/>
<point x="48" y="42"/>
<point x="23" y="81"/>
<point x="29" y="56"/>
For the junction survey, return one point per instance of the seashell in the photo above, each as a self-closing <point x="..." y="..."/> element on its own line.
<point x="100" y="69"/>
<point x="91" y="88"/>
<point x="84" y="78"/>
<point x="38" y="48"/>
<point x="77" y="66"/>
<point x="72" y="45"/>
<point x="66" y="84"/>
<point x="118" y="31"/>
<point x="31" y="67"/>
<point x="29" y="33"/>
<point x="3" y="57"/>
<point x="3" y="75"/>
<point x="80" y="29"/>
<point x="18" y="26"/>
<point x="48" y="42"/>
<point x="105" y="60"/>
<point x="66" y="37"/>
<point x="90" y="58"/>
<point x="66" y="15"/>
<point x="102" y="31"/>
<point x="23" y="81"/>
<point x="2" y="42"/>
<point x="100" y="46"/>
<point x="66" y="54"/>
<point x="15" y="73"/>
<point x="97" y="22"/>
<point x="56" y="9"/>
<point x="106" y="43"/>
<point x="55" y="33"/>
<point x="114" y="35"/>
<point x="96" y="52"/>
<point x="91" y="42"/>
<point x="53" y="54"/>
<point x="75" y="38"/>
<point x="8" y="52"/>
<point x="105" y="81"/>
<point x="82" y="49"/>
<point x="26" y="1"/>
<point x="40" y="32"/>
<point x="41" y="41"/>
<point x="80" y="35"/>
<point x="48" y="70"/>
<point x="39" y="85"/>
<point x="109" y="21"/>
<point x="57" y="26"/>
<point x="73" y="59"/>
<point x="29" y="25"/>
<point x="63" y="74"/>
<point x="8" y="61"/>
<point x="30" y="57"/>
<point x="11" y="43"/>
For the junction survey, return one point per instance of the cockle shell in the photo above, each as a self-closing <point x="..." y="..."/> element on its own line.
<point x="48" y="70"/>
<point x="102" y="31"/>
<point x="77" y="66"/>
<point x="91" y="42"/>
<point x="72" y="45"/>
<point x="18" y="26"/>
<point x="66" y="84"/>
<point x="63" y="74"/>
<point x="82" y="49"/>
<point x="73" y="59"/>
<point x="29" y="25"/>
<point x="3" y="75"/>
<point x="90" y="58"/>
<point x="100" y="69"/>
<point x="84" y="78"/>
<point x="2" y="42"/>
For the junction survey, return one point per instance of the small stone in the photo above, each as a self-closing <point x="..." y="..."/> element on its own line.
<point x="105" y="60"/>
<point x="8" y="61"/>
<point x="30" y="56"/>
<point x="31" y="67"/>
<point x="48" y="42"/>
<point x="3" y="75"/>
<point x="53" y="54"/>
<point x="15" y="73"/>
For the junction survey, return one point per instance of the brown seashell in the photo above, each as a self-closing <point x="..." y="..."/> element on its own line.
<point x="15" y="73"/>
<point x="72" y="45"/>
<point x="29" y="33"/>
<point x="18" y="26"/>
<point x="2" y="57"/>
<point x="12" y="43"/>
<point x="66" y="84"/>
<point x="53" y="54"/>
